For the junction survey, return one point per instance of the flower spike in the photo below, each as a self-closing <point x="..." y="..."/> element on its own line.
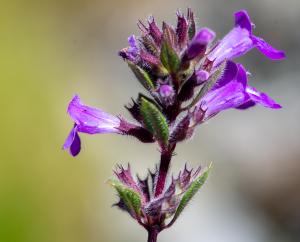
<point x="187" y="79"/>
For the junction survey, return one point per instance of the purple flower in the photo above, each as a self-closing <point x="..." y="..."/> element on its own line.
<point x="233" y="91"/>
<point x="132" y="51"/>
<point x="91" y="120"/>
<point x="73" y="142"/>
<point x="187" y="81"/>
<point x="166" y="91"/>
<point x="240" y="40"/>
<point x="198" y="45"/>
<point x="88" y="120"/>
<point x="260" y="98"/>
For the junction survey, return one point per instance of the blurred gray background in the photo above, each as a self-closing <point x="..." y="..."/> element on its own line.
<point x="53" y="49"/>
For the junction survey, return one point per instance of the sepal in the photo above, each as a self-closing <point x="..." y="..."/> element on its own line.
<point x="182" y="30"/>
<point x="192" y="25"/>
<point x="168" y="56"/>
<point x="208" y="84"/>
<point x="154" y="31"/>
<point x="130" y="200"/>
<point x="190" y="193"/>
<point x="181" y="130"/>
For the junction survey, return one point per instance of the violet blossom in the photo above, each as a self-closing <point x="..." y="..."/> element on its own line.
<point x="91" y="120"/>
<point x="240" y="40"/>
<point x="188" y="79"/>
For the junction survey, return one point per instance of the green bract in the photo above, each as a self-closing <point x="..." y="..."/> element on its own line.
<point x="154" y="120"/>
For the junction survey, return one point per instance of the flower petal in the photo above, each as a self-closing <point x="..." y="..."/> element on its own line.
<point x="229" y="94"/>
<point x="199" y="43"/>
<point x="70" y="138"/>
<point x="242" y="19"/>
<point x="133" y="49"/>
<point x="261" y="98"/>
<point x="268" y="50"/>
<point x="92" y="120"/>
<point x="236" y="43"/>
<point x="246" y="105"/>
<point x="76" y="145"/>
<point x="73" y="142"/>
<point x="230" y="73"/>
<point x="240" y="40"/>
<point x="205" y="35"/>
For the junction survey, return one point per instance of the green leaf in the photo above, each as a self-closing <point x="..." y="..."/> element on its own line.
<point x="154" y="120"/>
<point x="169" y="57"/>
<point x="130" y="197"/>
<point x="208" y="85"/>
<point x="189" y="194"/>
<point x="143" y="77"/>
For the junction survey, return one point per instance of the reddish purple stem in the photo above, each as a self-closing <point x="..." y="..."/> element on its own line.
<point x="152" y="235"/>
<point x="165" y="160"/>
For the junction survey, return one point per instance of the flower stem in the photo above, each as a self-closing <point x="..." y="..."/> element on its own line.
<point x="152" y="235"/>
<point x="165" y="159"/>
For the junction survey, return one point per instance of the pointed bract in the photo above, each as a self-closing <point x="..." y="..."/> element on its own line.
<point x="182" y="30"/>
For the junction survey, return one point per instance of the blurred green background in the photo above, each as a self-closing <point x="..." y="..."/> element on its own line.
<point x="50" y="50"/>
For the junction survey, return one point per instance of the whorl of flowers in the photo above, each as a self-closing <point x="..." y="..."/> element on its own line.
<point x="189" y="78"/>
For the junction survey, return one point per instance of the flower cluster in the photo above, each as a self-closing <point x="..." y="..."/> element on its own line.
<point x="189" y="78"/>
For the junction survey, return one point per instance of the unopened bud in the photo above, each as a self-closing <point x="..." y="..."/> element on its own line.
<point x="166" y="91"/>
<point x="202" y="76"/>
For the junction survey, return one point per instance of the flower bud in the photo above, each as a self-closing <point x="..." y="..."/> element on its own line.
<point x="202" y="76"/>
<point x="199" y="43"/>
<point x="166" y="91"/>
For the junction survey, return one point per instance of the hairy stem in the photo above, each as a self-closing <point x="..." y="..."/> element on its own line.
<point x="152" y="235"/>
<point x="165" y="160"/>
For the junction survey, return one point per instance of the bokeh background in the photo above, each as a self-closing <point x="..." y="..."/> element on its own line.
<point x="50" y="50"/>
